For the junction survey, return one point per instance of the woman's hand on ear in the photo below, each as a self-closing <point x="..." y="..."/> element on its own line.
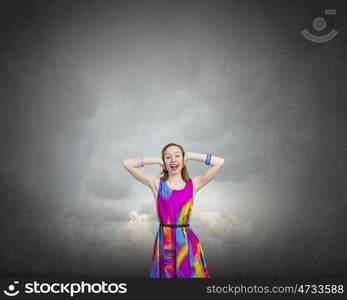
<point x="161" y="162"/>
<point x="185" y="159"/>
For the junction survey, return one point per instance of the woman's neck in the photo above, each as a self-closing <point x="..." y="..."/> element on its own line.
<point x="175" y="179"/>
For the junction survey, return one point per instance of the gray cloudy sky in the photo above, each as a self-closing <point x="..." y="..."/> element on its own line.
<point x="86" y="84"/>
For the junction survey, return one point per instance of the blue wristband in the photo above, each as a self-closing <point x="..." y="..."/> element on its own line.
<point x="208" y="159"/>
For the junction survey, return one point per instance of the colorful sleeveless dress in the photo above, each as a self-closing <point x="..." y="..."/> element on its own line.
<point x="177" y="251"/>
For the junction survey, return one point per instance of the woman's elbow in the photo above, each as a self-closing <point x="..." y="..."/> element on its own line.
<point x="220" y="161"/>
<point x="125" y="163"/>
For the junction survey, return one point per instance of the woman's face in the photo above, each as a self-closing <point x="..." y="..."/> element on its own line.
<point x="173" y="159"/>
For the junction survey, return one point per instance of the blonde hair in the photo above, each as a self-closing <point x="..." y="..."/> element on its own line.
<point x="184" y="171"/>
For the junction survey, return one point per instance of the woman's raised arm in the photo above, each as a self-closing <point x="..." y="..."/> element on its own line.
<point x="132" y="166"/>
<point x="216" y="163"/>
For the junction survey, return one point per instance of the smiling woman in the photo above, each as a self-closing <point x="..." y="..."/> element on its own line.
<point x="177" y="251"/>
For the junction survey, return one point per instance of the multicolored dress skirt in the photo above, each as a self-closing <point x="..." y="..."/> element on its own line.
<point x="177" y="251"/>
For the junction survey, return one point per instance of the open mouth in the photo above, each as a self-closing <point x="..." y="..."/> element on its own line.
<point x="174" y="167"/>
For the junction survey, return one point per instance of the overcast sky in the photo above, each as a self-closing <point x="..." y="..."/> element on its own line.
<point x="86" y="84"/>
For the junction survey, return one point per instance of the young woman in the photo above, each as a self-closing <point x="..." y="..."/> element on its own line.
<point x="177" y="251"/>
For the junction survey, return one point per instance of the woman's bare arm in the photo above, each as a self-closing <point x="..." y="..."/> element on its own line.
<point x="131" y="165"/>
<point x="216" y="164"/>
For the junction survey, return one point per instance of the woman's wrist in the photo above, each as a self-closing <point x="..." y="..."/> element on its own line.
<point x="187" y="155"/>
<point x="196" y="156"/>
<point x="150" y="160"/>
<point x="209" y="159"/>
